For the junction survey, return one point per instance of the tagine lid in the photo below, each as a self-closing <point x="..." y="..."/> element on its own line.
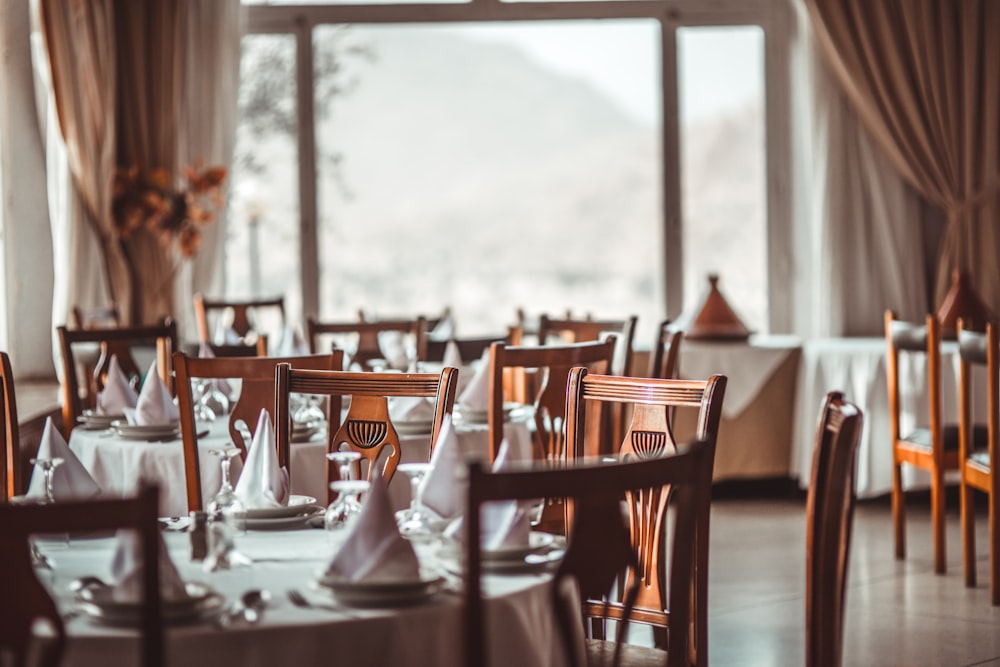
<point x="715" y="319"/>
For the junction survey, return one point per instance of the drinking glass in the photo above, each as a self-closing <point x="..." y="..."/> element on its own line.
<point x="309" y="411"/>
<point x="214" y="400"/>
<point x="415" y="523"/>
<point x="48" y="467"/>
<point x="202" y="410"/>
<point x="347" y="506"/>
<point x="226" y="515"/>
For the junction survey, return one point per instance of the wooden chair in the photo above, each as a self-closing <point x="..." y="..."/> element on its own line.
<point x="600" y="548"/>
<point x="120" y="342"/>
<point x="96" y="318"/>
<point x="665" y="355"/>
<point x="11" y="474"/>
<point x="27" y="600"/>
<point x="569" y="330"/>
<point x="430" y="320"/>
<point x="978" y="449"/>
<point x="362" y="337"/>
<point x="256" y="375"/>
<point x="367" y="427"/>
<point x="829" y="516"/>
<point x="470" y="349"/>
<point x="244" y="315"/>
<point x="258" y="348"/>
<point x="934" y="447"/>
<point x="552" y="365"/>
<point x="649" y="434"/>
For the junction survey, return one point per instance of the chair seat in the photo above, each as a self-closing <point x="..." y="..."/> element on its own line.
<point x="601" y="654"/>
<point x="921" y="437"/>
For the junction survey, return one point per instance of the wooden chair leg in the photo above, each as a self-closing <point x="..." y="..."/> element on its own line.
<point x="994" y="555"/>
<point x="937" y="522"/>
<point x="899" y="511"/>
<point x="968" y="512"/>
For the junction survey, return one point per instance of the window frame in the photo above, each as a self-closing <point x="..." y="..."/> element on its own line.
<point x="772" y="17"/>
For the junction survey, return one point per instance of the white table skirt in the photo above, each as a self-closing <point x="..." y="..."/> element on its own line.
<point x="117" y="465"/>
<point x="520" y="627"/>
<point x="857" y="367"/>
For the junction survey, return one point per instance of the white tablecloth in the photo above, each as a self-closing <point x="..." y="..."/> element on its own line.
<point x="119" y="464"/>
<point x="856" y="366"/>
<point x="520" y="626"/>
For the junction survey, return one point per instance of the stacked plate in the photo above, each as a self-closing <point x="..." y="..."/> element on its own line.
<point x="203" y="602"/>
<point x="413" y="427"/>
<point x="299" y="511"/>
<point x="542" y="551"/>
<point x="147" y="431"/>
<point x="92" y="420"/>
<point x="305" y="432"/>
<point x="392" y="593"/>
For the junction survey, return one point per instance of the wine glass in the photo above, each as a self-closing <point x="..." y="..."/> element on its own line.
<point x="416" y="524"/>
<point x="214" y="399"/>
<point x="226" y="515"/>
<point x="309" y="411"/>
<point x="48" y="467"/>
<point x="203" y="412"/>
<point x="347" y="506"/>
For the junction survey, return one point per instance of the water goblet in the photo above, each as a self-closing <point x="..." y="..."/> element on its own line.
<point x="48" y="467"/>
<point x="338" y="511"/>
<point x="226" y="515"/>
<point x="347" y="506"/>
<point x="202" y="411"/>
<point x="415" y="523"/>
<point x="214" y="399"/>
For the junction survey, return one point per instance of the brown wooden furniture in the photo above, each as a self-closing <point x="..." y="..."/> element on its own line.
<point x="96" y="318"/>
<point x="243" y="314"/>
<point x="361" y="337"/>
<point x="829" y="516"/>
<point x="649" y="434"/>
<point x="978" y="449"/>
<point x="10" y="463"/>
<point x="119" y="342"/>
<point x="367" y="427"/>
<point x="256" y="375"/>
<point x="934" y="447"/>
<point x="569" y="330"/>
<point x="665" y="355"/>
<point x="552" y="365"/>
<point x="470" y="349"/>
<point x="601" y="547"/>
<point x="258" y="348"/>
<point x="27" y="600"/>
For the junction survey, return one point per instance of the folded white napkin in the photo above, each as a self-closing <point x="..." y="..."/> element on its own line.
<point x="439" y="490"/>
<point x="205" y="352"/>
<point x="410" y="409"/>
<point x="452" y="357"/>
<point x="292" y="343"/>
<point x="126" y="571"/>
<point x="373" y="549"/>
<point x="393" y="348"/>
<point x="225" y="334"/>
<point x="443" y="330"/>
<point x="155" y="405"/>
<point x="117" y="394"/>
<point x="476" y="395"/>
<point x="263" y="483"/>
<point x="70" y="480"/>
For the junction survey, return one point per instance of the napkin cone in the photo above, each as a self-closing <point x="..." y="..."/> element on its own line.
<point x="476" y="395"/>
<point x="126" y="570"/>
<point x="263" y="484"/>
<point x="452" y="357"/>
<point x="155" y="406"/>
<point x="70" y="481"/>
<point x="410" y="409"/>
<point x="439" y="490"/>
<point x="374" y="550"/>
<point x="390" y="344"/>
<point x="117" y="394"/>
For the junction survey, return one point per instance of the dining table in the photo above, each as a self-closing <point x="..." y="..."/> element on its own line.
<point x="119" y="463"/>
<point x="381" y="630"/>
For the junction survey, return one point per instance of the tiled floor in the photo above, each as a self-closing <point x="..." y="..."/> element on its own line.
<point x="898" y="613"/>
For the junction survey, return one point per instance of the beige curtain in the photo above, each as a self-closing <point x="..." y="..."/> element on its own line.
<point x="80" y="43"/>
<point x="150" y="69"/>
<point x="924" y="76"/>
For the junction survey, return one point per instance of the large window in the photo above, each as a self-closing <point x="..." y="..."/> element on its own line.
<point x="506" y="156"/>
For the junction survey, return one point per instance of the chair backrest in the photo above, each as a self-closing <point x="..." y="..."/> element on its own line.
<point x="243" y="314"/>
<point x="980" y="349"/>
<point x="469" y="349"/>
<point x="10" y="463"/>
<point x="358" y="339"/>
<point x="26" y="599"/>
<point x="649" y="434"/>
<point x="569" y="330"/>
<point x="256" y="375"/>
<point x="829" y="516"/>
<point x="258" y="348"/>
<point x="546" y="391"/>
<point x="96" y="318"/>
<point x="120" y="342"/>
<point x="665" y="355"/>
<point x="600" y="547"/>
<point x="367" y="427"/>
<point x="912" y="338"/>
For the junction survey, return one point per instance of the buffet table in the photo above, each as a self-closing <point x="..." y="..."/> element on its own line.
<point x="118" y="464"/>
<point x="520" y="626"/>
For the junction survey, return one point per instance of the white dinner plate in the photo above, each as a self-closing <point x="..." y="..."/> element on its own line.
<point x="305" y="432"/>
<point x="537" y="543"/>
<point x="417" y="427"/>
<point x="383" y="593"/>
<point x="303" y="520"/>
<point x="297" y="505"/>
<point x="99" y="604"/>
<point x="96" y="421"/>
<point x="144" y="432"/>
<point x="482" y="416"/>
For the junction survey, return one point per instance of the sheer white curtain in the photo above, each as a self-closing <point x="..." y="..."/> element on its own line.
<point x="208" y="122"/>
<point x="862" y="250"/>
